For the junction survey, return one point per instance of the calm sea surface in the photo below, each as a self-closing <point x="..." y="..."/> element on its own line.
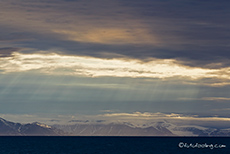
<point x="113" y="145"/>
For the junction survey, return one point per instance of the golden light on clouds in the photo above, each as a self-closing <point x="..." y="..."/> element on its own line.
<point x="158" y="115"/>
<point x="109" y="35"/>
<point x="55" y="64"/>
<point x="77" y="26"/>
<point x="216" y="98"/>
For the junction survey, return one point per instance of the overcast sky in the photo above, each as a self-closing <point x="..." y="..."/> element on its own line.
<point x="104" y="57"/>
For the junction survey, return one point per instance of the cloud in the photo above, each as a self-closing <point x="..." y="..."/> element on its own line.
<point x="95" y="67"/>
<point x="207" y="98"/>
<point x="135" y="118"/>
<point x="141" y="119"/>
<point x="162" y="116"/>
<point x="194" y="33"/>
<point x="7" y="52"/>
<point x="222" y="109"/>
<point x="170" y="49"/>
<point x="216" y="98"/>
<point x="104" y="35"/>
<point x="43" y="118"/>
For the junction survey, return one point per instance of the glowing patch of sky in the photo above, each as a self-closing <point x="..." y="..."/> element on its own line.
<point x="96" y="67"/>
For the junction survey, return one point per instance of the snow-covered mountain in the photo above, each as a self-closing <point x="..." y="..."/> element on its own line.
<point x="103" y="128"/>
<point x="160" y="128"/>
<point x="113" y="129"/>
<point x="31" y="129"/>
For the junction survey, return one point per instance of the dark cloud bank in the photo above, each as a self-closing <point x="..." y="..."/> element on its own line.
<point x="194" y="32"/>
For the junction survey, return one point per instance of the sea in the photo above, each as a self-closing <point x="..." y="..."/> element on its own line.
<point x="113" y="145"/>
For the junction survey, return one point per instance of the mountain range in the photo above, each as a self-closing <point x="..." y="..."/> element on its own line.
<point x="31" y="129"/>
<point x="160" y="128"/>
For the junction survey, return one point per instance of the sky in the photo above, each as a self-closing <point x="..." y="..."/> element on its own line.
<point x="75" y="59"/>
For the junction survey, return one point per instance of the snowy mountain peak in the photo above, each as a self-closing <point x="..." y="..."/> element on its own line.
<point x="41" y="125"/>
<point x="31" y="129"/>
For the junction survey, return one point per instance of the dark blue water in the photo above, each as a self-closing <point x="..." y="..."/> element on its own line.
<point x="112" y="145"/>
